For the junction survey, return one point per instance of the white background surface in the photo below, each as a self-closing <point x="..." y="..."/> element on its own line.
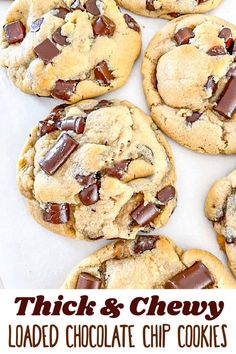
<point x="32" y="257"/>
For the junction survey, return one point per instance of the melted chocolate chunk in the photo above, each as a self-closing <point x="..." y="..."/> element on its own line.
<point x="217" y="50"/>
<point x="184" y="35"/>
<point x="201" y="1"/>
<point x="195" y="277"/>
<point x="231" y="72"/>
<point x="166" y="194"/>
<point x="46" y="51"/>
<point x="225" y="33"/>
<point x="101" y="104"/>
<point x="174" y="14"/>
<point x="77" y="124"/>
<point x="64" y="89"/>
<point x="211" y="84"/>
<point x="87" y="180"/>
<point x="227" y="102"/>
<point x="91" y="7"/>
<point x="88" y="281"/>
<point x="150" y="5"/>
<point x="46" y="127"/>
<point x="56" y="213"/>
<point x="144" y="214"/>
<point x="15" y="32"/>
<point x="118" y="170"/>
<point x="103" y="26"/>
<point x="59" y="38"/>
<point x="36" y="25"/>
<point x="145" y="243"/>
<point x="58" y="154"/>
<point x="193" y="118"/>
<point x="90" y="194"/>
<point x="103" y="74"/>
<point x="61" y="12"/>
<point x="131" y="23"/>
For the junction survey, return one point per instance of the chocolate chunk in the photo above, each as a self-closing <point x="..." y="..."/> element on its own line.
<point x="227" y="102"/>
<point x="166" y="194"/>
<point x="77" y="124"/>
<point x="61" y="12"/>
<point x="101" y="104"/>
<point x="174" y="14"/>
<point x="91" y="7"/>
<point x="231" y="240"/>
<point x="15" y="32"/>
<point x="217" y="50"/>
<point x="64" y="89"/>
<point x="150" y="5"/>
<point x="231" y="72"/>
<point x="195" y="277"/>
<point x="131" y="23"/>
<point x="46" y="51"/>
<point x="87" y="180"/>
<point x="201" y="1"/>
<point x="184" y="35"/>
<point x="90" y="194"/>
<point x="46" y="127"/>
<point x="103" y="26"/>
<point x="145" y="243"/>
<point x="56" y="213"/>
<point x="144" y="214"/>
<point x="59" y="38"/>
<point x="76" y="5"/>
<point x="60" y="108"/>
<point x="58" y="154"/>
<point x="88" y="281"/>
<point x="193" y="118"/>
<point x="225" y="33"/>
<point x="103" y="74"/>
<point x="118" y="170"/>
<point x="211" y="85"/>
<point x="36" y="25"/>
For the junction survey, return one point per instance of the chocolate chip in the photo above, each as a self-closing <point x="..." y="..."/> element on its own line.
<point x="227" y="102"/>
<point x="174" y="14"/>
<point x="91" y="7"/>
<point x="64" y="89"/>
<point x="103" y="74"/>
<point x="211" y="85"/>
<point x="103" y="26"/>
<point x="87" y="180"/>
<point x="184" y="35"/>
<point x="145" y="243"/>
<point x="201" y="1"/>
<point x="216" y="50"/>
<point x="166" y="194"/>
<point x="118" y="170"/>
<point x="46" y="127"/>
<point x="144" y="214"/>
<point x="103" y="103"/>
<point x="76" y="5"/>
<point x="46" y="51"/>
<point x="77" y="124"/>
<point x="231" y="240"/>
<point x="88" y="281"/>
<point x="15" y="32"/>
<point x="150" y="5"/>
<point x="225" y="33"/>
<point x="90" y="194"/>
<point x="36" y="25"/>
<point x="61" y="12"/>
<point x="59" y="38"/>
<point x="195" y="277"/>
<point x="58" y="154"/>
<point x="56" y="213"/>
<point x="60" y="108"/>
<point x="131" y="23"/>
<point x="193" y="117"/>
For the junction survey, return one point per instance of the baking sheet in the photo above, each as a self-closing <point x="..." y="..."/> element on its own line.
<point x="32" y="257"/>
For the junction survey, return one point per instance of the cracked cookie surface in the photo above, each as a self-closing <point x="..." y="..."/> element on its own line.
<point x="189" y="79"/>
<point x="69" y="50"/>
<point x="160" y="263"/>
<point x="220" y="208"/>
<point x="98" y="169"/>
<point x="168" y="9"/>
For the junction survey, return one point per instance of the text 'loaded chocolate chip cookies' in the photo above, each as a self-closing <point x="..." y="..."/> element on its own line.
<point x="220" y="208"/>
<point x="98" y="169"/>
<point x="168" y="9"/>
<point x="189" y="78"/>
<point x="69" y="50"/>
<point x="149" y="262"/>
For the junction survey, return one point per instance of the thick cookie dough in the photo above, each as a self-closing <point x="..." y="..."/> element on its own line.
<point x="98" y="169"/>
<point x="168" y="9"/>
<point x="189" y="79"/>
<point x="68" y="49"/>
<point x="220" y="208"/>
<point x="149" y="262"/>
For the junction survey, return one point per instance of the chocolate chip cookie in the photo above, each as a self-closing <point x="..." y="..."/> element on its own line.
<point x="98" y="169"/>
<point x="220" y="208"/>
<point x="168" y="9"/>
<point x="189" y="79"/>
<point x="69" y="50"/>
<point x="149" y="262"/>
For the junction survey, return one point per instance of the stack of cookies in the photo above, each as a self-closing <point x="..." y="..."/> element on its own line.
<point x="97" y="168"/>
